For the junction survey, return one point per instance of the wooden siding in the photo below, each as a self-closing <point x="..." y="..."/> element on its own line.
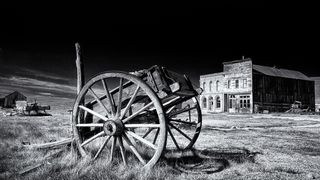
<point x="10" y="100"/>
<point x="277" y="93"/>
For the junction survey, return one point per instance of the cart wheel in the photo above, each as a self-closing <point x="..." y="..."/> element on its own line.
<point x="116" y="114"/>
<point x="184" y="124"/>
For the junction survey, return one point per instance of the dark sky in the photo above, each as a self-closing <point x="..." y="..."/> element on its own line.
<point x="38" y="43"/>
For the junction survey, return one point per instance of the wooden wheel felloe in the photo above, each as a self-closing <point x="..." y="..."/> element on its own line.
<point x="118" y="114"/>
<point x="184" y="121"/>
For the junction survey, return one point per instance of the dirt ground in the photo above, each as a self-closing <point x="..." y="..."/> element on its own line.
<point x="230" y="146"/>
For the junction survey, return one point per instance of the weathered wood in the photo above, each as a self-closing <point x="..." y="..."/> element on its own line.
<point x="35" y="166"/>
<point x="30" y="168"/>
<point x="80" y="68"/>
<point x="93" y="113"/>
<point x="276" y="94"/>
<point x="51" y="144"/>
<point x="142" y="125"/>
<point x="80" y="84"/>
<point x="142" y="140"/>
<point x="80" y="74"/>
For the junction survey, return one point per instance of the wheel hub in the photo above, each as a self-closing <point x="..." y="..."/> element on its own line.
<point x="113" y="127"/>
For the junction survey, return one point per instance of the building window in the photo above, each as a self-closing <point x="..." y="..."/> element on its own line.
<point x="204" y="102"/>
<point x="218" y="102"/>
<point x="237" y="83"/>
<point x="244" y="101"/>
<point x="217" y="86"/>
<point x="204" y="86"/>
<point x="229" y="84"/>
<point x="210" y="102"/>
<point x="210" y="86"/>
<point x="244" y="83"/>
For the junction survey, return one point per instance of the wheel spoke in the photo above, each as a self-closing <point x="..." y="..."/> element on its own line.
<point x="92" y="138"/>
<point x="126" y="98"/>
<point x="102" y="147"/>
<point x="100" y="103"/>
<point x="173" y="139"/>
<point x="112" y="148"/>
<point x="185" y="122"/>
<point x="156" y="136"/>
<point x="170" y="109"/>
<point x="111" y="101"/>
<point x="138" y="112"/>
<point x="141" y="139"/>
<point x="186" y="136"/>
<point x="168" y="102"/>
<point x="93" y="113"/>
<point x="142" y="125"/>
<point x="133" y="149"/>
<point x="119" y="98"/>
<point x="90" y="125"/>
<point x="123" y="155"/>
<point x="182" y="111"/>
<point x="130" y="102"/>
<point x="148" y="132"/>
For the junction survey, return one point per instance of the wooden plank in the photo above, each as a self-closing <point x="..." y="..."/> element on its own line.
<point x="35" y="166"/>
<point x="51" y="144"/>
<point x="30" y="168"/>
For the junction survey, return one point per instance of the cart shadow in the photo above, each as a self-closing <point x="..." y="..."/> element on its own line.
<point x="37" y="114"/>
<point x="208" y="161"/>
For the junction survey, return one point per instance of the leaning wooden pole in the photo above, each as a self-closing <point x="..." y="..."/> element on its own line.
<point x="80" y="69"/>
<point x="80" y="84"/>
<point x="80" y="74"/>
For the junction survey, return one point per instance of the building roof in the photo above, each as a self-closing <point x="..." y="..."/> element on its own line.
<point x="315" y="78"/>
<point x="4" y="96"/>
<point x="285" y="73"/>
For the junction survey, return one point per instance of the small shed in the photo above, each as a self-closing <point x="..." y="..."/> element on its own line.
<point x="9" y="101"/>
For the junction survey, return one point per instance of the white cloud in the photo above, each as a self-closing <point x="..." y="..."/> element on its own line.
<point x="46" y="93"/>
<point x="36" y="85"/>
<point x="42" y="74"/>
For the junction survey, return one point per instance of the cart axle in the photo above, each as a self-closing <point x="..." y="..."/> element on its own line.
<point x="113" y="127"/>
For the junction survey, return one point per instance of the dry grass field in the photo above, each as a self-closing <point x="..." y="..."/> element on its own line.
<point x="258" y="146"/>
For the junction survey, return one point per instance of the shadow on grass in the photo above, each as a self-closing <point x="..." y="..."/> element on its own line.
<point x="37" y="114"/>
<point x="208" y="161"/>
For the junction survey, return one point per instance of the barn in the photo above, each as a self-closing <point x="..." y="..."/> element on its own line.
<point x="244" y="87"/>
<point x="317" y="92"/>
<point x="9" y="101"/>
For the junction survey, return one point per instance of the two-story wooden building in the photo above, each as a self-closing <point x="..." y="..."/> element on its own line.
<point x="245" y="88"/>
<point x="317" y="92"/>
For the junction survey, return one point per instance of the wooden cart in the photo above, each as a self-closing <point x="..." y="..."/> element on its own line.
<point x="130" y="115"/>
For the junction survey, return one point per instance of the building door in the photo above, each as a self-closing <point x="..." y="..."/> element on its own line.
<point x="232" y="104"/>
